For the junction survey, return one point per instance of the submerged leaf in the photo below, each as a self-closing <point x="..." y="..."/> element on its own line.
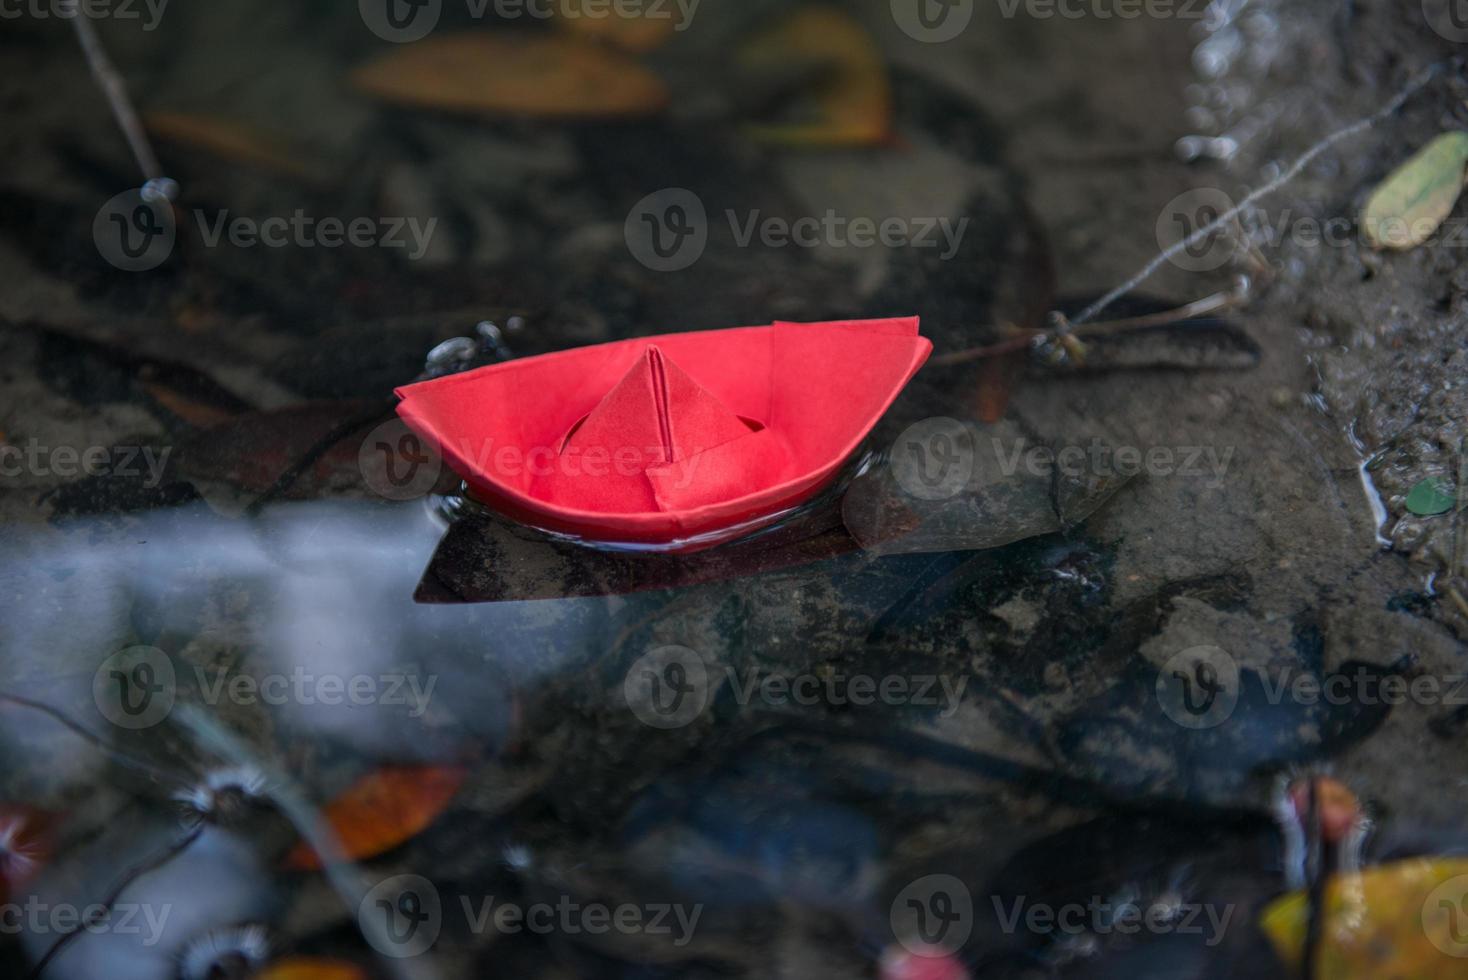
<point x="1407" y="207"/>
<point x="850" y="103"/>
<point x="382" y="810"/>
<point x="311" y="968"/>
<point x="1404" y="919"/>
<point x="1430" y="497"/>
<point x="227" y="138"/>
<point x="557" y="76"/>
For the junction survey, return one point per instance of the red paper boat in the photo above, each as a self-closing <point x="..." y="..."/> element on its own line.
<point x="668" y="440"/>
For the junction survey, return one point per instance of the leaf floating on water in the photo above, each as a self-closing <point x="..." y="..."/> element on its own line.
<point x="849" y="104"/>
<point x="639" y="32"/>
<point x="311" y="968"/>
<point x="1407" y="207"/>
<point x="1430" y="497"/>
<point x="552" y="76"/>
<point x="1404" y="919"/>
<point x="226" y="138"/>
<point x="383" y="809"/>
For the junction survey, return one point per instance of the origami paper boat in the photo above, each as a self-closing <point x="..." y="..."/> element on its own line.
<point x="672" y="439"/>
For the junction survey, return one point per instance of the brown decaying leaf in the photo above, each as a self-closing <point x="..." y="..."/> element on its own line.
<point x="549" y="76"/>
<point x="852" y="101"/>
<point x="1392" y="920"/>
<point x="311" y="968"/>
<point x="638" y="33"/>
<point x="227" y="138"/>
<point x="382" y="810"/>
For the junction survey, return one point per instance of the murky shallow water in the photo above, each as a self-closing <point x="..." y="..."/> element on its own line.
<point x="790" y="756"/>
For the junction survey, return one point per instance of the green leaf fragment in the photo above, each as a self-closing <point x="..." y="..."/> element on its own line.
<point x="1407" y="207"/>
<point x="1431" y="496"/>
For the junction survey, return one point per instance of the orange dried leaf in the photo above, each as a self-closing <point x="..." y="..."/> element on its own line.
<point x="850" y="104"/>
<point x="553" y="76"/>
<point x="311" y="968"/>
<point x="227" y="138"/>
<point x="382" y="810"/>
<point x="635" y="32"/>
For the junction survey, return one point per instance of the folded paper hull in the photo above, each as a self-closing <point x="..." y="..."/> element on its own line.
<point x="668" y="439"/>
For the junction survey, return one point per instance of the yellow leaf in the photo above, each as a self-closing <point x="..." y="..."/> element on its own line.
<point x="311" y="968"/>
<point x="851" y="101"/>
<point x="635" y="32"/>
<point x="226" y="138"/>
<point x="382" y="810"/>
<point x="1407" y="920"/>
<point x="1407" y="207"/>
<point x="552" y="76"/>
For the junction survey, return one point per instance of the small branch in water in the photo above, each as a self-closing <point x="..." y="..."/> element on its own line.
<point x="1360" y="125"/>
<point x="115" y="89"/>
<point x="1209" y="304"/>
<point x="151" y="863"/>
<point x="77" y="728"/>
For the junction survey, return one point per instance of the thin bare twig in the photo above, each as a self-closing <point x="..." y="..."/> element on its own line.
<point x="150" y="863"/>
<point x="1208" y="304"/>
<point x="1396" y="102"/>
<point x="132" y="762"/>
<point x="115" y="89"/>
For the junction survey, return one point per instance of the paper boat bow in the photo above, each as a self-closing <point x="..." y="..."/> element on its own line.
<point x="660" y="440"/>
